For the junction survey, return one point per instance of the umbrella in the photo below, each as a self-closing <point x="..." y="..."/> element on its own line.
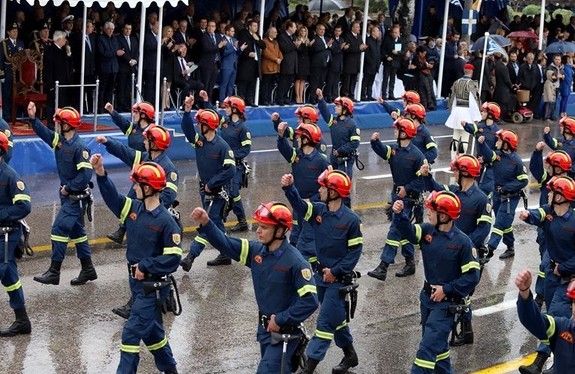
<point x="328" y="5"/>
<point x="523" y="34"/>
<point x="561" y="47"/>
<point x="480" y="43"/>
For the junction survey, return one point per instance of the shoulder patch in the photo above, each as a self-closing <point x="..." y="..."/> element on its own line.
<point x="567" y="336"/>
<point x="474" y="252"/>
<point x="85" y="154"/>
<point x="176" y="238"/>
<point x="231" y="153"/>
<point x="488" y="208"/>
<point x="258" y="259"/>
<point x="306" y="274"/>
<point x="133" y="216"/>
<point x="173" y="176"/>
<point x="248" y="135"/>
<point x="323" y="148"/>
<point x="20" y="185"/>
<point x="357" y="131"/>
<point x="8" y="133"/>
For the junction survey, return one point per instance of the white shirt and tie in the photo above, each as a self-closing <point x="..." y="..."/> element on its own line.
<point x="128" y="41"/>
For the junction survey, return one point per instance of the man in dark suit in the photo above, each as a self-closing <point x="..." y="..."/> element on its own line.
<point x="346" y="21"/>
<point x="320" y="56"/>
<point x="391" y="52"/>
<point x="288" y="66"/>
<point x="529" y="77"/>
<point x="249" y="61"/>
<point x="503" y="87"/>
<point x="8" y="47"/>
<point x="149" y="66"/>
<point x="57" y="67"/>
<point x="513" y="67"/>
<point x="128" y="65"/>
<point x="76" y="43"/>
<point x="210" y="58"/>
<point x="371" y="63"/>
<point x="108" y="53"/>
<point x="182" y="76"/>
<point x="351" y="60"/>
<point x="197" y="36"/>
<point x="334" y="66"/>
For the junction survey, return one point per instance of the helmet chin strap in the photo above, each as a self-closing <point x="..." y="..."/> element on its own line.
<point x="202" y="127"/>
<point x="554" y="203"/>
<point x="439" y="223"/>
<point x="330" y="199"/>
<point x="143" y="199"/>
<point x="274" y="238"/>
<point x="63" y="130"/>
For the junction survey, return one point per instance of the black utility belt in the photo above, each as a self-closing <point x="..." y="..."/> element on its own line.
<point x="4" y="229"/>
<point x="345" y="279"/>
<point x="564" y="278"/>
<point x="430" y="290"/>
<point x="148" y="277"/>
<point x="239" y="161"/>
<point x="264" y="320"/>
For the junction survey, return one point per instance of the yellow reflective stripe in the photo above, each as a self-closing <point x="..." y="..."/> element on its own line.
<point x="81" y="239"/>
<point x="424" y="364"/>
<point x="541" y="274"/>
<point x="237" y="198"/>
<point x="246" y="142"/>
<point x="551" y="328"/>
<point x="442" y="356"/>
<point x="244" y="252"/>
<point x="158" y="345"/>
<point x="60" y="239"/>
<point x="554" y="143"/>
<point x="508" y="230"/>
<point x="129" y="130"/>
<point x="13" y="287"/>
<point x="431" y="145"/>
<point x="293" y="156"/>
<point x="497" y="231"/>
<point x="130" y="348"/>
<point x="172" y="186"/>
<point x="485" y="218"/>
<point x="229" y="161"/>
<point x="137" y="159"/>
<point x="355" y="137"/>
<point x="417" y="233"/>
<point x="83" y="165"/>
<point x="201" y="240"/>
<point x="522" y="177"/>
<point x="494" y="157"/>
<point x="475" y="128"/>
<point x="392" y="243"/>
<point x="542" y="213"/>
<point x="404" y="241"/>
<point x="308" y="288"/>
<point x="296" y="224"/>
<point x="125" y="209"/>
<point x="470" y="265"/>
<point x="20" y="197"/>
<point x="324" y="335"/>
<point x="330" y="121"/>
<point x="355" y="241"/>
<point x="388" y="154"/>
<point x="55" y="141"/>
<point x="172" y="251"/>
<point x="341" y="326"/>
<point x="308" y="212"/>
<point x="312" y="259"/>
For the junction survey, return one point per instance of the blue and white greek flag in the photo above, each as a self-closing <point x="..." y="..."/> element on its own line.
<point x="457" y="3"/>
<point x="493" y="47"/>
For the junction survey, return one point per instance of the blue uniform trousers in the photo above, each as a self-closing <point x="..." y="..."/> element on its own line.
<point x="504" y="215"/>
<point x="68" y="224"/>
<point x="272" y="354"/>
<point x="540" y="283"/>
<point x="394" y="240"/>
<point x="215" y="212"/>
<point x="228" y="79"/>
<point x="145" y="323"/>
<point x="331" y="322"/>
<point x="9" y="271"/>
<point x="235" y="191"/>
<point x="433" y="352"/>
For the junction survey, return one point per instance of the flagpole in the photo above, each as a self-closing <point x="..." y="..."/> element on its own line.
<point x="541" y="23"/>
<point x="442" y="57"/>
<point x="483" y="60"/>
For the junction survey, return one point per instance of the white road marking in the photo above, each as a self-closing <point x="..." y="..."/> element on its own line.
<point x="508" y="304"/>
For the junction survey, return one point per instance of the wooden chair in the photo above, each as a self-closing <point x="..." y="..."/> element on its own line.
<point x="27" y="84"/>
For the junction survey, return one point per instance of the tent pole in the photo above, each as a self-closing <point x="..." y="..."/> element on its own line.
<point x="541" y="23"/>
<point x="141" y="52"/>
<point x="442" y="54"/>
<point x="261" y="31"/>
<point x="83" y="65"/>
<point x="483" y="59"/>
<point x="158" y="63"/>
<point x="362" y="56"/>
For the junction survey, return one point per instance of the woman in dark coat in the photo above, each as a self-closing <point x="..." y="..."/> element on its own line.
<point x="303" y="65"/>
<point x="169" y="51"/>
<point x="424" y="78"/>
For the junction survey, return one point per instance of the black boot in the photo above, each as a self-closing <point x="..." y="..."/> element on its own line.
<point x="124" y="310"/>
<point x="20" y="326"/>
<point x="52" y="276"/>
<point x="171" y="371"/>
<point x="309" y="367"/>
<point x="551" y="370"/>
<point x="186" y="263"/>
<point x="380" y="272"/>
<point x="467" y="337"/>
<point x="488" y="254"/>
<point x="88" y="273"/>
<point x="408" y="269"/>
<point x="509" y="253"/>
<point x="536" y="366"/>
<point x="220" y="260"/>
<point x="242" y="224"/>
<point x="118" y="235"/>
<point x="349" y="361"/>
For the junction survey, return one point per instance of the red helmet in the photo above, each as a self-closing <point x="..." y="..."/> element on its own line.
<point x="568" y="124"/>
<point x="235" y="102"/>
<point x="571" y="289"/>
<point x="336" y="180"/>
<point x="309" y="131"/>
<point x="307" y="112"/>
<point x="468" y="165"/>
<point x="416" y="111"/>
<point x="411" y="97"/>
<point x="560" y="159"/>
<point x="563" y="185"/>
<point x="4" y="143"/>
<point x="151" y="174"/>
<point x="445" y="202"/>
<point x="145" y="109"/>
<point x="493" y="110"/>
<point x="159" y="136"/>
<point x="274" y="213"/>
<point x="509" y="137"/>
<point x="68" y="115"/>
<point x="208" y="117"/>
<point x="407" y="126"/>
<point x="345" y="102"/>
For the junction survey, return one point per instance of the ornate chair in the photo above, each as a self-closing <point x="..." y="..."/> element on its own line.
<point x="27" y="84"/>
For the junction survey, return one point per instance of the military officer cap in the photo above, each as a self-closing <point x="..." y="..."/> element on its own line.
<point x="69" y="17"/>
<point x="12" y="27"/>
<point x="45" y="26"/>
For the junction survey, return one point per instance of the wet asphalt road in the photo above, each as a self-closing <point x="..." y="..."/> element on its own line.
<point x="74" y="330"/>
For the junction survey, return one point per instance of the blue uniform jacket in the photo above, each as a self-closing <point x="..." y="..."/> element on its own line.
<point x="283" y="281"/>
<point x="289" y="133"/>
<point x="215" y="159"/>
<point x="449" y="259"/>
<point x="425" y="143"/>
<point x="238" y="137"/>
<point x="405" y="163"/>
<point x="72" y="157"/>
<point x="133" y="158"/>
<point x="345" y="135"/>
<point x="475" y="219"/>
<point x="559" y="236"/>
<point x="5" y="128"/>
<point x="14" y="196"/>
<point x="392" y="109"/>
<point x="338" y="237"/>
<point x="510" y="173"/>
<point x="561" y="144"/>
<point x="132" y="130"/>
<point x="305" y="168"/>
<point x="482" y="129"/>
<point x="153" y="236"/>
<point x="537" y="169"/>
<point x="558" y="332"/>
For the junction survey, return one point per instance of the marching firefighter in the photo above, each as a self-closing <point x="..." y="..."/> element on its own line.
<point x="451" y="273"/>
<point x="405" y="161"/>
<point x="422" y="139"/>
<point x="216" y="168"/>
<point x="235" y="132"/>
<point x="153" y="253"/>
<point x="408" y="97"/>
<point x="284" y="287"/>
<point x="75" y="171"/>
<point x="339" y="243"/>
<point x="14" y="206"/>
<point x="307" y="114"/>
<point x="566" y="142"/>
